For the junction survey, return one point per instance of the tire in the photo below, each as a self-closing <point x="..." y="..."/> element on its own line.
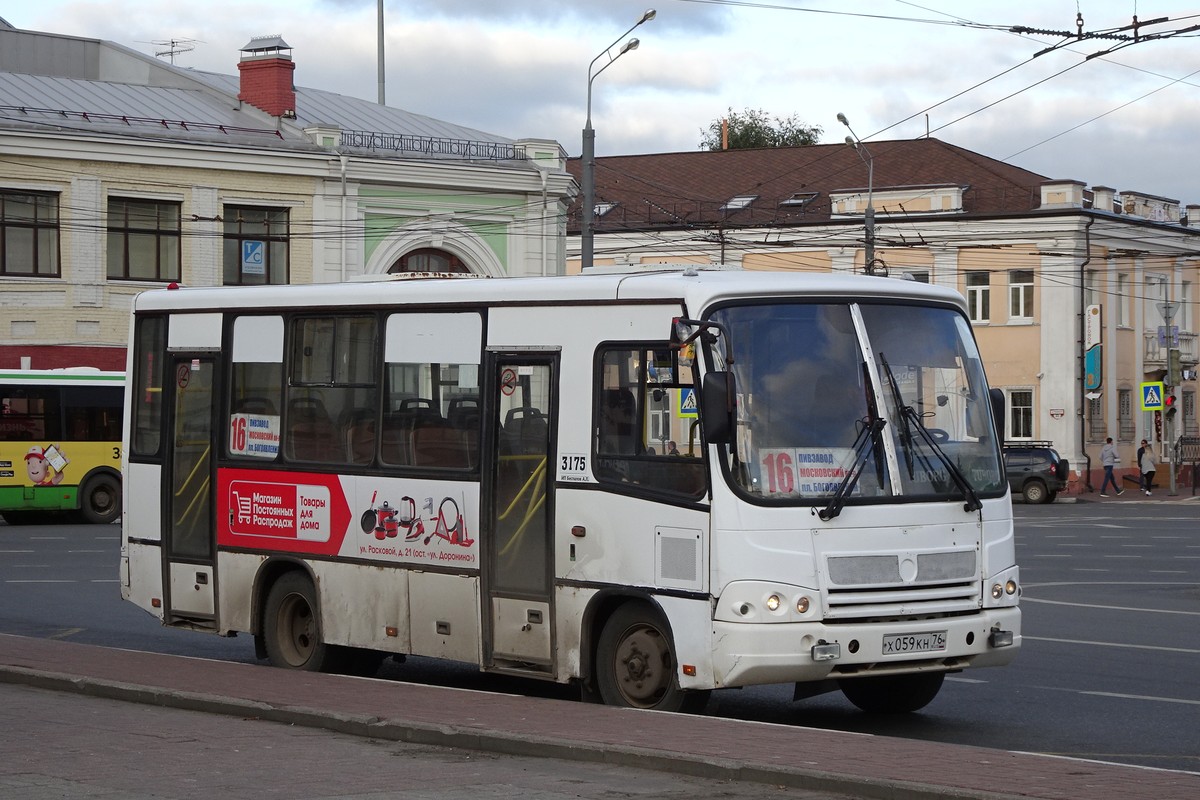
<point x="292" y="629"/>
<point x="1035" y="492"/>
<point x="636" y="666"/>
<point x="893" y="694"/>
<point x="1051" y="496"/>
<point x="100" y="500"/>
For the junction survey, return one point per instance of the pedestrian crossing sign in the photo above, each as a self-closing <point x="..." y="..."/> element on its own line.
<point x="687" y="403"/>
<point x="1152" y="396"/>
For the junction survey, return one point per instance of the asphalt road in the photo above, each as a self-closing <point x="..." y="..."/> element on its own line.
<point x="1111" y="622"/>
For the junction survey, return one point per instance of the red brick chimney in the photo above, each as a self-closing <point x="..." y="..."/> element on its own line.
<point x="266" y="71"/>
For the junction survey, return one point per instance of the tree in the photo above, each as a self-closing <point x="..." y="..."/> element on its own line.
<point x="753" y="128"/>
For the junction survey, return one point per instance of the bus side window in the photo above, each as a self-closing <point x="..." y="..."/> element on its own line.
<point x="310" y="431"/>
<point x="639" y="421"/>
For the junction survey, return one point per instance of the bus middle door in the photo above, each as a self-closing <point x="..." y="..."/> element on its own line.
<point x="518" y="504"/>
<point x="190" y="542"/>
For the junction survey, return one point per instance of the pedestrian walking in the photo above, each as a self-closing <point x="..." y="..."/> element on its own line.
<point x="1148" y="464"/>
<point x="1109" y="459"/>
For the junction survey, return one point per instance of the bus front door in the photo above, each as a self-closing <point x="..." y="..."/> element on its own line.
<point x="190" y="540"/>
<point x="518" y="542"/>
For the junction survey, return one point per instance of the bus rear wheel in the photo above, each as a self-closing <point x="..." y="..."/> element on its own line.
<point x="292" y="631"/>
<point x="636" y="666"/>
<point x="100" y="500"/>
<point x="893" y="694"/>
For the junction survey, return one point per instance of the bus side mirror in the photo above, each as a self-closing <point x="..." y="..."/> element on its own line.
<point x="997" y="397"/>
<point x="717" y="407"/>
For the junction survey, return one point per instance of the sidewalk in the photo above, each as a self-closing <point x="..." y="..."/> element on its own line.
<point x="1131" y="489"/>
<point x="843" y="763"/>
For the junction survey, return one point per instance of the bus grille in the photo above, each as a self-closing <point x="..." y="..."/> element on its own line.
<point x="892" y="586"/>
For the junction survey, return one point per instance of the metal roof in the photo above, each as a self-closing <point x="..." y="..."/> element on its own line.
<point x="150" y="98"/>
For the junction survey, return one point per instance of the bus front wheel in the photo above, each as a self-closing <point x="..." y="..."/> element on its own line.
<point x="100" y="500"/>
<point x="291" y="628"/>
<point x="635" y="663"/>
<point x="893" y="694"/>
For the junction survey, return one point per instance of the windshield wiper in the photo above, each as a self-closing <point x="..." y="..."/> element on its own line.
<point x="863" y="444"/>
<point x="905" y="426"/>
<point x="912" y="421"/>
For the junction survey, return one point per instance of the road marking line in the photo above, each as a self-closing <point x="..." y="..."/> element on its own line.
<point x="45" y="581"/>
<point x="66" y="633"/>
<point x="1109" y="608"/>
<point x="1156" y="648"/>
<point x="1145" y="697"/>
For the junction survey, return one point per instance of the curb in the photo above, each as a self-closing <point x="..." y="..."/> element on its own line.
<point x="500" y="742"/>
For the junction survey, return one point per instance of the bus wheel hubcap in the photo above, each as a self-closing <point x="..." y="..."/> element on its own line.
<point x="641" y="661"/>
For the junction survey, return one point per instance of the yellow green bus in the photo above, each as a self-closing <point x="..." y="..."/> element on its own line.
<point x="60" y="445"/>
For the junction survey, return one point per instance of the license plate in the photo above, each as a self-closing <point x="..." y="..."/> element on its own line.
<point x="900" y="643"/>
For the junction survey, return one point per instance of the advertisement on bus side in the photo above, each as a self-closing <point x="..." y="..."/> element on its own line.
<point x="410" y="521"/>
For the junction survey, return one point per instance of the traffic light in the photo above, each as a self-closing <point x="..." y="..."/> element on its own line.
<point x="1169" y="404"/>
<point x="1174" y="367"/>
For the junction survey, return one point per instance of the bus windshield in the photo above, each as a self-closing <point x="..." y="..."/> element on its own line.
<point x="857" y="401"/>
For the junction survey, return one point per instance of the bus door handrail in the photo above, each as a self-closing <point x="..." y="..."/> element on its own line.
<point x="201" y="490"/>
<point x="536" y="499"/>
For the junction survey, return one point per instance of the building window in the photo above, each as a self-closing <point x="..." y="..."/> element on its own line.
<point x="429" y="259"/>
<point x="143" y="240"/>
<point x="1184" y="317"/>
<point x="739" y="202"/>
<point x="918" y="275"/>
<point x="1097" y="431"/>
<point x="1020" y="294"/>
<point x="1090" y="296"/>
<point x="28" y="234"/>
<point x="1020" y="414"/>
<point x="1154" y="295"/>
<point x="979" y="296"/>
<point x="1122" y="300"/>
<point x="256" y="245"/>
<point x="1190" y="427"/>
<point x="1126" y="428"/>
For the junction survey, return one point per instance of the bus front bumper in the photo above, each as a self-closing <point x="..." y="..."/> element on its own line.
<point x="764" y="653"/>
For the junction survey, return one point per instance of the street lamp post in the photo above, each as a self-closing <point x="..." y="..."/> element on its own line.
<point x="869" y="216"/>
<point x="587" y="232"/>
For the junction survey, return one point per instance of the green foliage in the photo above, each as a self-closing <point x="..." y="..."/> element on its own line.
<point x="754" y="128"/>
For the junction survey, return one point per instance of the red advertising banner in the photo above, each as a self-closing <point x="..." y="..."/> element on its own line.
<point x="304" y="512"/>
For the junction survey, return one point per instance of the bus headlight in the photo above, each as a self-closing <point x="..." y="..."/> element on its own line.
<point x="997" y="591"/>
<point x="766" y="602"/>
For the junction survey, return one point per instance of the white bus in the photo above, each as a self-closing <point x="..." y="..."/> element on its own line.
<point x="653" y="485"/>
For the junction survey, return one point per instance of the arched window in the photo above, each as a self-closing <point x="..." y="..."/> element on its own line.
<point x="429" y="259"/>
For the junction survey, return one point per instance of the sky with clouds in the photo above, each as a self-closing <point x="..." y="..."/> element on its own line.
<point x="1115" y="111"/>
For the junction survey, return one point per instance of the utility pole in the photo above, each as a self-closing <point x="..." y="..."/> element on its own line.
<point x="1172" y="380"/>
